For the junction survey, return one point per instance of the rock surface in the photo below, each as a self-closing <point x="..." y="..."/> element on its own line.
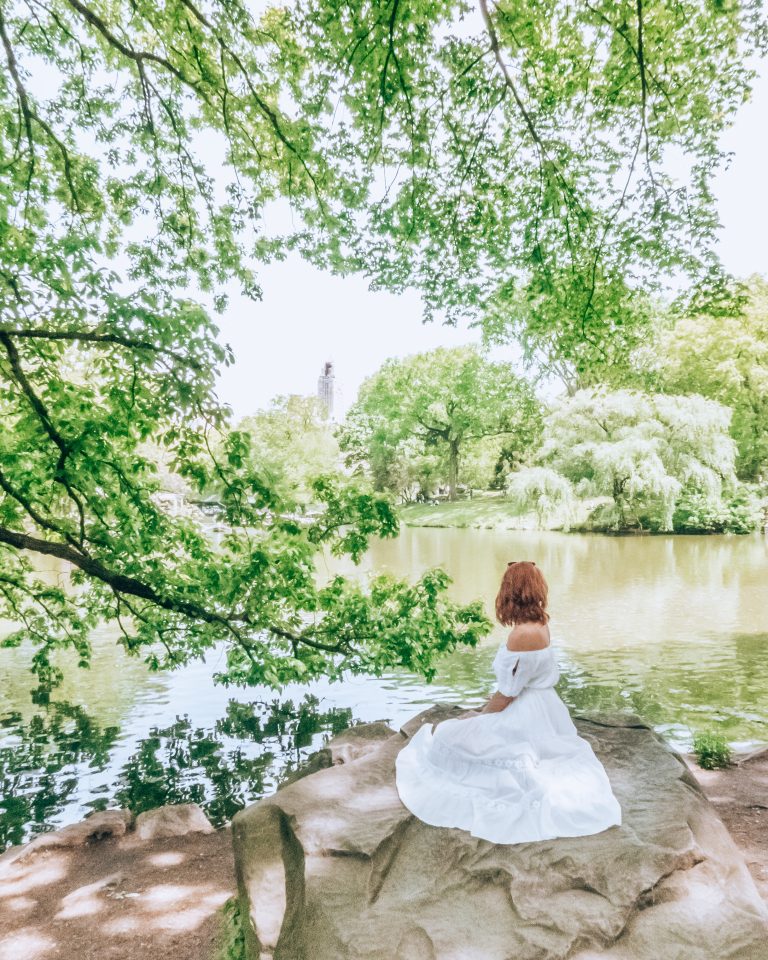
<point x="334" y="867"/>
<point x="98" y="826"/>
<point x="348" y="745"/>
<point x="174" y="820"/>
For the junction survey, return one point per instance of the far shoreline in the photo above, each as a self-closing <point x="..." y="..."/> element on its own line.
<point x="497" y="513"/>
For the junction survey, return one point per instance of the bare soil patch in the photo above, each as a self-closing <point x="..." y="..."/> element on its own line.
<point x="118" y="900"/>
<point x="739" y="792"/>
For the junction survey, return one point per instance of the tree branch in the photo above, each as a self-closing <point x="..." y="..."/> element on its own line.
<point x="43" y="416"/>
<point x="21" y="92"/>
<point x="122" y="584"/>
<point x="527" y="118"/>
<point x="93" y="336"/>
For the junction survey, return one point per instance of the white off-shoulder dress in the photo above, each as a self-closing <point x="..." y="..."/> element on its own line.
<point x="517" y="775"/>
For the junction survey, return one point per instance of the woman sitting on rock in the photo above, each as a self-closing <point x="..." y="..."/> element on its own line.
<point x="517" y="770"/>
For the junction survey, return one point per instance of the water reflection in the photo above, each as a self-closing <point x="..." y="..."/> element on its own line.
<point x="243" y="756"/>
<point x="40" y="760"/>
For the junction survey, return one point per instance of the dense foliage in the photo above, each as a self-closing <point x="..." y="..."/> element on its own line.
<point x="725" y="358"/>
<point x="545" y="166"/>
<point x="438" y="403"/>
<point x="742" y="512"/>
<point x="107" y="215"/>
<point x="293" y="442"/>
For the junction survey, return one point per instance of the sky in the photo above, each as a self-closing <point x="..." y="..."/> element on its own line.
<point x="307" y="317"/>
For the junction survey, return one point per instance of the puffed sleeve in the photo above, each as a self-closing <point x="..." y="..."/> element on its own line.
<point x="511" y="673"/>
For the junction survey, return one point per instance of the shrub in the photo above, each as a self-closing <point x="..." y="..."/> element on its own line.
<point x="698" y="513"/>
<point x="231" y="944"/>
<point x="605" y="518"/>
<point x="712" y="750"/>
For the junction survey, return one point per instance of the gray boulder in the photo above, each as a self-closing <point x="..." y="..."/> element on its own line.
<point x="101" y="825"/>
<point x="334" y="867"/>
<point x="174" y="820"/>
<point x="357" y="741"/>
<point x="349" y="745"/>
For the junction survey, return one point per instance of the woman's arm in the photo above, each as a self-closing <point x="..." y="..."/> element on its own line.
<point x="497" y="703"/>
<point x="494" y="704"/>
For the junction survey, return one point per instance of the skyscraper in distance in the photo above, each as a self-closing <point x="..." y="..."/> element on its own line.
<point x="325" y="388"/>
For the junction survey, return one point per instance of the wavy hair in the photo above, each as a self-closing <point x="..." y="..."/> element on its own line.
<point x="522" y="596"/>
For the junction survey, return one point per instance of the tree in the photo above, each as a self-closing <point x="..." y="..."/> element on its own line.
<point x="113" y="229"/>
<point x="109" y="220"/>
<point x="293" y="441"/>
<point x="526" y="153"/>
<point x="725" y="358"/>
<point x="642" y="451"/>
<point x="444" y="400"/>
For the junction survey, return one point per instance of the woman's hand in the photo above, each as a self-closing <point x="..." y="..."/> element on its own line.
<point x="462" y="716"/>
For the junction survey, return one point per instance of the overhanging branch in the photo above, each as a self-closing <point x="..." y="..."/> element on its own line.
<point x="94" y="336"/>
<point x="131" y="586"/>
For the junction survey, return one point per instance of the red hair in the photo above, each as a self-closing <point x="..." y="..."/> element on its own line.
<point x="522" y="596"/>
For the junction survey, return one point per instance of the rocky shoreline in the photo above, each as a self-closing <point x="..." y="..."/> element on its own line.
<point x="118" y="887"/>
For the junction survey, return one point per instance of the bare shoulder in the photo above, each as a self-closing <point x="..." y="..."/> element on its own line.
<point x="528" y="636"/>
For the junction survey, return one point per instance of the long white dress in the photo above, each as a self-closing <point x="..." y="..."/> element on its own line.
<point x="517" y="775"/>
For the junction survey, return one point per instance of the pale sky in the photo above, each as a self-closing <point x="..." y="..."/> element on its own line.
<point x="307" y="317"/>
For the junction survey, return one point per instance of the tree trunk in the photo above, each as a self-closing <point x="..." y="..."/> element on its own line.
<point x="618" y="499"/>
<point x="453" y="468"/>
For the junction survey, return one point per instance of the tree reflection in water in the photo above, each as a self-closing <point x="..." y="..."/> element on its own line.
<point x="246" y="754"/>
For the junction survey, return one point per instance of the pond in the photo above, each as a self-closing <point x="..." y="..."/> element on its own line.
<point x="673" y="628"/>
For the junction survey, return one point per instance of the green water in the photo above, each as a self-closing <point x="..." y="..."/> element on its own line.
<point x="674" y="628"/>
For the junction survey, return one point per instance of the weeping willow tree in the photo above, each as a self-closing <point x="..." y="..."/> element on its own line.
<point x="505" y="160"/>
<point x="643" y="451"/>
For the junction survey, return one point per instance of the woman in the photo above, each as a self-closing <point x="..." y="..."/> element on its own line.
<point x="517" y="770"/>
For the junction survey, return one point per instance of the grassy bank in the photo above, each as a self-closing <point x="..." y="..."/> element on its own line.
<point x="497" y="513"/>
<point x="486" y="514"/>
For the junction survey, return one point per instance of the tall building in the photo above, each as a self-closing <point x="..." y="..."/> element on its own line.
<point x="325" y="388"/>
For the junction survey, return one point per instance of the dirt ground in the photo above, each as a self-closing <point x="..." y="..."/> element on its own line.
<point x="740" y="795"/>
<point x="126" y="900"/>
<point x="118" y="900"/>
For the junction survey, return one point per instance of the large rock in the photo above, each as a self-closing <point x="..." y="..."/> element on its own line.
<point x="101" y="825"/>
<point x="349" y="745"/>
<point x="334" y="867"/>
<point x="174" y="820"/>
<point x="357" y="741"/>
